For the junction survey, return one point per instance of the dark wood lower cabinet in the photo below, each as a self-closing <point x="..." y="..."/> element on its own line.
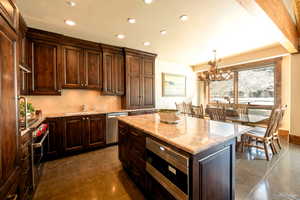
<point x="68" y="135"/>
<point x="25" y="184"/>
<point x="96" y="127"/>
<point x="73" y="135"/>
<point x="211" y="172"/>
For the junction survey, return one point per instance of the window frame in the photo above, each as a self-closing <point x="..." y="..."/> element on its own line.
<point x="277" y="62"/>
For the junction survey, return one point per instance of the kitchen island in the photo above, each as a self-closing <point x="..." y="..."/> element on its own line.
<point x="194" y="159"/>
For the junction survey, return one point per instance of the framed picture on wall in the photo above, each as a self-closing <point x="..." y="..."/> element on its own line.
<point x="173" y="85"/>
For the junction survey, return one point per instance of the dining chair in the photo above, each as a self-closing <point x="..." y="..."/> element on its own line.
<point x="188" y="108"/>
<point x="179" y="107"/>
<point x="198" y="111"/>
<point x="241" y="109"/>
<point x="218" y="114"/>
<point x="259" y="135"/>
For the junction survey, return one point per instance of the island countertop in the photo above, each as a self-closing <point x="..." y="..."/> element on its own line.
<point x="192" y="135"/>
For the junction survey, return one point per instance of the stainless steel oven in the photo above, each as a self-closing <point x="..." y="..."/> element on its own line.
<point x="169" y="168"/>
<point x="39" y="136"/>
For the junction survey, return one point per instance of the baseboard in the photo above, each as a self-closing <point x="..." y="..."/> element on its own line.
<point x="283" y="132"/>
<point x="294" y="139"/>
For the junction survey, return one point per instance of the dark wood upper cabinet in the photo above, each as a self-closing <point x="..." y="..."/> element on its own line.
<point x="9" y="146"/>
<point x="93" y="69"/>
<point x="9" y="11"/>
<point x="113" y="71"/>
<point x="96" y="126"/>
<point x="22" y="45"/>
<point x="140" y="80"/>
<point x="120" y="73"/>
<point x="72" y="67"/>
<point x="148" y="83"/>
<point x="23" y="82"/>
<point x="45" y="61"/>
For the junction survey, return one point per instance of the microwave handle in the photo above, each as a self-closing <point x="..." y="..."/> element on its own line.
<point x="26" y="109"/>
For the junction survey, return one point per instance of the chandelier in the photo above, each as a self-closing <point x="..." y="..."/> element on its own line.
<point x="214" y="73"/>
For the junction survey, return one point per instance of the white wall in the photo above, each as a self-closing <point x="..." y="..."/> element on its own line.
<point x="295" y="97"/>
<point x="174" y="68"/>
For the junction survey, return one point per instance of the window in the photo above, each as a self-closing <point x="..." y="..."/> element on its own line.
<point x="221" y="91"/>
<point x="256" y="86"/>
<point x="255" y="83"/>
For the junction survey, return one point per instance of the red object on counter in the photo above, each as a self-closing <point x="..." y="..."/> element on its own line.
<point x="41" y="130"/>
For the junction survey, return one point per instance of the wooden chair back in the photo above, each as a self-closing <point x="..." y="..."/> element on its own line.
<point x="188" y="108"/>
<point x="198" y="111"/>
<point x="218" y="114"/>
<point x="273" y="122"/>
<point x="242" y="109"/>
<point x="179" y="107"/>
<point x="283" y="110"/>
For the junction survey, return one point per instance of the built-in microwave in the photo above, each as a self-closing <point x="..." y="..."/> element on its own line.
<point x="169" y="168"/>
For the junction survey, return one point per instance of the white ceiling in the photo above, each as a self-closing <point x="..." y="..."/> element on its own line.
<point x="213" y="24"/>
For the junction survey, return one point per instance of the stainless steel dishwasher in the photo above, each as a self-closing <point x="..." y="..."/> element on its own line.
<point x="112" y="127"/>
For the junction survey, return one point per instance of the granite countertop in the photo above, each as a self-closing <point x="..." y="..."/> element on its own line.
<point x="43" y="117"/>
<point x="97" y="112"/>
<point x="191" y="135"/>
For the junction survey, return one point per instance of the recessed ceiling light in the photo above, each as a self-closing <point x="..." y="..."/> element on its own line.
<point x="148" y="1"/>
<point x="131" y="20"/>
<point x="120" y="36"/>
<point x="147" y="43"/>
<point x="184" y="18"/>
<point x="71" y="3"/>
<point x="70" y="22"/>
<point x="163" y="32"/>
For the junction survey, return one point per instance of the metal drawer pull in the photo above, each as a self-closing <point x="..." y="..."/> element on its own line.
<point x="37" y="145"/>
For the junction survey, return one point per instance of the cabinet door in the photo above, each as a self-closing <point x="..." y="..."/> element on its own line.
<point x="133" y="81"/>
<point x="73" y="74"/>
<point x="53" y="143"/>
<point x="8" y="120"/>
<point x="148" y="84"/>
<point x="96" y="130"/>
<point x="108" y="83"/>
<point x="44" y="60"/>
<point x="93" y="69"/>
<point x="123" y="144"/>
<point x="73" y="138"/>
<point x="10" y="12"/>
<point x="23" y="44"/>
<point x="23" y="82"/>
<point x="216" y="182"/>
<point x="119" y="75"/>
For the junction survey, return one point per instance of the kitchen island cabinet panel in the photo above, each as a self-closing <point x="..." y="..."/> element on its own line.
<point x="176" y="161"/>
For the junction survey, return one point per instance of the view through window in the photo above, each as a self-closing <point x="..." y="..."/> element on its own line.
<point x="221" y="91"/>
<point x="255" y="86"/>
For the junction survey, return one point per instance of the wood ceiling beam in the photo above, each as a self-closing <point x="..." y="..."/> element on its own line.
<point x="277" y="16"/>
<point x="296" y="5"/>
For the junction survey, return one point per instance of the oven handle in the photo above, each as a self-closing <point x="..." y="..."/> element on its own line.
<point x="38" y="145"/>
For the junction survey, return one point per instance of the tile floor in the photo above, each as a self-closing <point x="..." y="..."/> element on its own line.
<point x="98" y="175"/>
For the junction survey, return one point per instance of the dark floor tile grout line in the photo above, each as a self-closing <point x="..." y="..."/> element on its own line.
<point x="267" y="173"/>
